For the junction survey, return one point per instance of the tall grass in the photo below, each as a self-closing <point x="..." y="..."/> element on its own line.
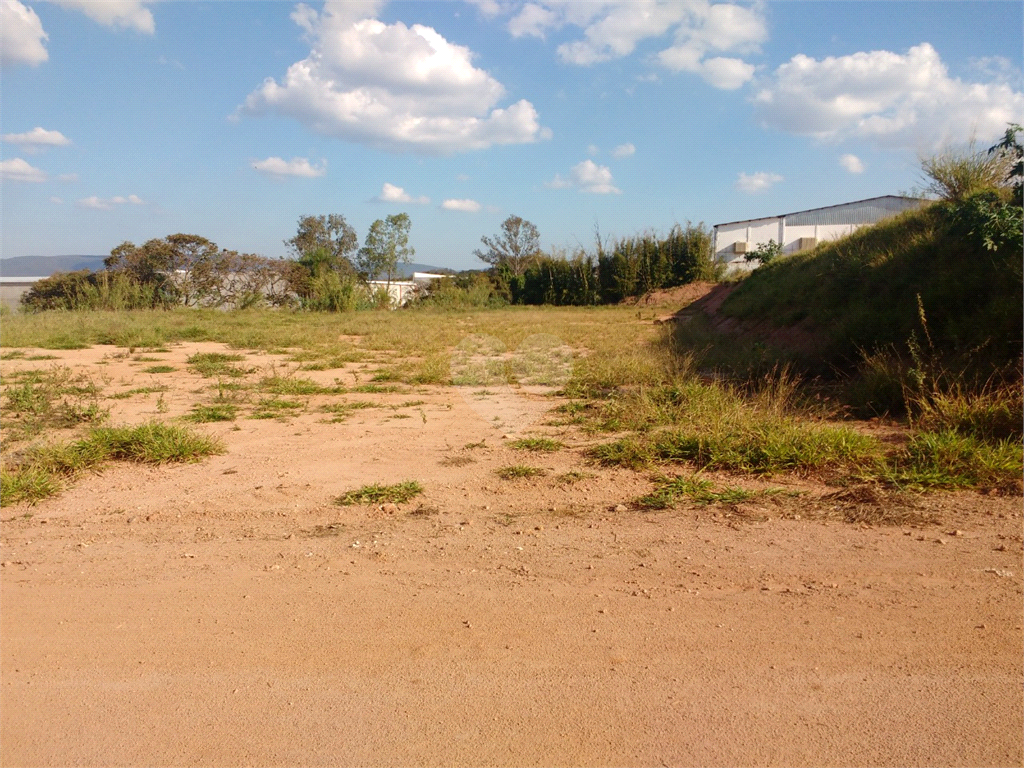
<point x="43" y="469"/>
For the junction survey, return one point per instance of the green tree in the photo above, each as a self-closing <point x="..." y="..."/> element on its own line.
<point x="182" y="267"/>
<point x="515" y="249"/>
<point x="765" y="253"/>
<point x="324" y="241"/>
<point x="1010" y="148"/>
<point x="387" y="244"/>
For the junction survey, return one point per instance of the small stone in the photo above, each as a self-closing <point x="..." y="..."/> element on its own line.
<point x="389" y="509"/>
<point x="620" y="508"/>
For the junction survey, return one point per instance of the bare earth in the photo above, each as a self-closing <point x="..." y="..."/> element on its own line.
<point x="229" y="613"/>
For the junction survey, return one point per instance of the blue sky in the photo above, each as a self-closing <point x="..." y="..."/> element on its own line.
<point x="129" y="120"/>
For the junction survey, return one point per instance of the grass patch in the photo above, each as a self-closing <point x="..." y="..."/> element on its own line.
<point x="160" y="369"/>
<point x="951" y="460"/>
<point x="296" y="385"/>
<point x="41" y="470"/>
<point x="275" y="407"/>
<point x="137" y="391"/>
<point x="457" y="461"/>
<point x="537" y="444"/>
<point x="517" y="471"/>
<point x="571" y="478"/>
<point x="698" y="491"/>
<point x="398" y="493"/>
<point x="202" y="414"/>
<point x="53" y="399"/>
<point x="209" y="364"/>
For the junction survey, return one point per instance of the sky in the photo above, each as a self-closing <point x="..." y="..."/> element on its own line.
<point x="131" y="119"/>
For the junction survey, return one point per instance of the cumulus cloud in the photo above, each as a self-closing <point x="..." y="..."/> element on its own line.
<point x="392" y="86"/>
<point x="852" y="163"/>
<point x="624" y="150"/>
<point x="36" y="139"/>
<point x="895" y="100"/>
<point x="700" y="31"/>
<point x="21" y="35"/>
<point x="129" y="14"/>
<point x="105" y="204"/>
<point x="298" y="166"/>
<point x="468" y="206"/>
<point x="17" y="169"/>
<point x="587" y="176"/>
<point x="56" y="200"/>
<point x="389" y="193"/>
<point x="757" y="182"/>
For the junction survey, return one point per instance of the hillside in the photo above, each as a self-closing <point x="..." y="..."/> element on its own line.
<point x="926" y="275"/>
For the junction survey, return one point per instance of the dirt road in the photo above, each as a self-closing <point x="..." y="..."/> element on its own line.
<point x="228" y="613"/>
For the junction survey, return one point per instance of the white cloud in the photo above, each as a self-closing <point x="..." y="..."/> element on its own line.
<point x="21" y="35"/>
<point x="593" y="150"/>
<point x="36" y="139"/>
<point x="591" y="177"/>
<point x="389" y="193"/>
<point x="896" y="100"/>
<point x="297" y="166"/>
<point x="56" y="200"/>
<point x="757" y="182"/>
<point x="587" y="176"/>
<point x="612" y="30"/>
<point x="393" y="86"/>
<point x="102" y="204"/>
<point x="533" y="20"/>
<point x="130" y="14"/>
<point x="17" y="169"/>
<point x="852" y="163"/>
<point x="624" y="150"/>
<point x="558" y="183"/>
<point x="68" y="177"/>
<point x="468" y="206"/>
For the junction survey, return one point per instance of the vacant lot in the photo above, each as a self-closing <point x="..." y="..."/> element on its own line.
<point x="524" y="608"/>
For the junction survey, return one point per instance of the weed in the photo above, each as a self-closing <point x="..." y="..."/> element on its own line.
<point x="571" y="478"/>
<point x="381" y="494"/>
<point x="202" y="414"/>
<point x="701" y="492"/>
<point x="40" y="471"/>
<point x="209" y="364"/>
<point x="275" y="407"/>
<point x="159" y="369"/>
<point x="537" y="444"/>
<point x="295" y="385"/>
<point x="457" y="461"/>
<point x="137" y="391"/>
<point x="516" y="471"/>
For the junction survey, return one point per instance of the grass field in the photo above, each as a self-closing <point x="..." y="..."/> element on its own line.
<point x="627" y="383"/>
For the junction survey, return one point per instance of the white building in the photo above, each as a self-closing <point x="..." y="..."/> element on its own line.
<point x="402" y="291"/>
<point x="803" y="229"/>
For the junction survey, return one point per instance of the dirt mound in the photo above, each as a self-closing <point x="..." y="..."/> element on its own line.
<point x="681" y="295"/>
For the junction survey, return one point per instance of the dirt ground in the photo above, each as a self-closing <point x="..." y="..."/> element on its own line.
<point x="229" y="613"/>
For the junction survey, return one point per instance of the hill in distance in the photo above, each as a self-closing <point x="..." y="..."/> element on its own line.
<point x="44" y="266"/>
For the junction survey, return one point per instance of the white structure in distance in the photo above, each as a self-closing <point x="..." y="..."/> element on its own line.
<point x="802" y="230"/>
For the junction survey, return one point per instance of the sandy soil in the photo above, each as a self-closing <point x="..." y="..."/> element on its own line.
<point x="229" y="613"/>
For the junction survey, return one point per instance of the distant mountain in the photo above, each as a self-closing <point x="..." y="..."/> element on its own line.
<point x="44" y="266"/>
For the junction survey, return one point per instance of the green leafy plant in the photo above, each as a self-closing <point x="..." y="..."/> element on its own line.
<point x="518" y="471"/>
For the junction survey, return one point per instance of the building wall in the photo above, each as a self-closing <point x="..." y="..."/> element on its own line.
<point x="821" y="224"/>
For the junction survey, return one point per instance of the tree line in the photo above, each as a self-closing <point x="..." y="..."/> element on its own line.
<point x="329" y="271"/>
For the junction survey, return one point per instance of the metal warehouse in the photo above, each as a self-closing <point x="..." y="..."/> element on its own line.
<point x="803" y="229"/>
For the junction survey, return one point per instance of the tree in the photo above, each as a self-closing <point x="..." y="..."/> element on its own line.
<point x="387" y="244"/>
<point x="515" y="248"/>
<point x="765" y="253"/>
<point x="1011" y="149"/>
<point x="182" y="267"/>
<point x="324" y="241"/>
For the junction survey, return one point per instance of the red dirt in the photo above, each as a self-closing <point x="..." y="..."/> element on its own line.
<point x="228" y="613"/>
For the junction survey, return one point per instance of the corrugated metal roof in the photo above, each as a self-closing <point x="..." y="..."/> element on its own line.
<point x="857" y="212"/>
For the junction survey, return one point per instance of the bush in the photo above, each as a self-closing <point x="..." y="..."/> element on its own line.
<point x="85" y="290"/>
